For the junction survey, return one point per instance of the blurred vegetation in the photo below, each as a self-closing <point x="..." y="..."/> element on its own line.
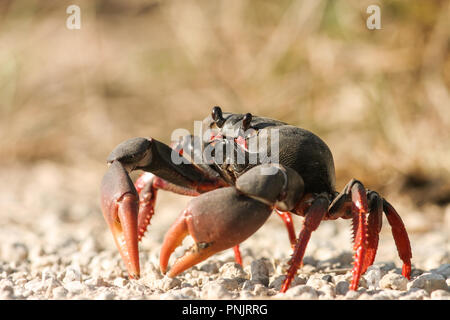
<point x="379" y="98"/>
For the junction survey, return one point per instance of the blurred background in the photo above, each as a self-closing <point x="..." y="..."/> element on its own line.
<point x="379" y="98"/>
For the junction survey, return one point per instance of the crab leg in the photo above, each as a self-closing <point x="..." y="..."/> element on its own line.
<point x="400" y="237"/>
<point x="313" y="217"/>
<point x="374" y="227"/>
<point x="287" y="219"/>
<point x="147" y="186"/>
<point x="237" y="254"/>
<point x="359" y="210"/>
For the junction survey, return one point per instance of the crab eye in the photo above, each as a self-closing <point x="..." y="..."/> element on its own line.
<point x="246" y="121"/>
<point x="217" y="116"/>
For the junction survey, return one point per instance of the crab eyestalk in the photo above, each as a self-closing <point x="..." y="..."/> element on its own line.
<point x="120" y="206"/>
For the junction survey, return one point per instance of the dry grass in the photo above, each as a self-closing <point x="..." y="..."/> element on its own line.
<point x="143" y="68"/>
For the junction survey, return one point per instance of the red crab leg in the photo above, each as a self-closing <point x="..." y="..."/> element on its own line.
<point x="400" y="237"/>
<point x="313" y="217"/>
<point x="147" y="197"/>
<point x="374" y="228"/>
<point x="359" y="210"/>
<point x="287" y="219"/>
<point x="147" y="186"/>
<point x="237" y="254"/>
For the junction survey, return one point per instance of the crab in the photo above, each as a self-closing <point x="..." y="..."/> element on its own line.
<point x="233" y="199"/>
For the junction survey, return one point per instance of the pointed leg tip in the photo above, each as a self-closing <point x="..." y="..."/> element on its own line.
<point x="284" y="288"/>
<point x="406" y="271"/>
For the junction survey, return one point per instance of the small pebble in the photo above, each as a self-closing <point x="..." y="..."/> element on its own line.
<point x="107" y="295"/>
<point x="120" y="282"/>
<point x="260" y="290"/>
<point x="443" y="270"/>
<point x="373" y="276"/>
<point x="394" y="281"/>
<point x="35" y="285"/>
<point x="16" y="252"/>
<point x="429" y="282"/>
<point x="327" y="278"/>
<point x="59" y="293"/>
<point x="327" y="290"/>
<point x="352" y="295"/>
<point x="213" y="290"/>
<point x="74" y="287"/>
<point x="440" y="295"/>
<point x="302" y="292"/>
<point x="415" y="294"/>
<point x="72" y="274"/>
<point x="167" y="283"/>
<point x="259" y="272"/>
<point x="229" y="284"/>
<point x="232" y="270"/>
<point x="94" y="281"/>
<point x="189" y="292"/>
<point x="342" y="287"/>
<point x="278" y="281"/>
<point x="316" y="283"/>
<point x="6" y="292"/>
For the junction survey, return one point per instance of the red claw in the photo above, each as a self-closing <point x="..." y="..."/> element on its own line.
<point x="213" y="227"/>
<point x="120" y="206"/>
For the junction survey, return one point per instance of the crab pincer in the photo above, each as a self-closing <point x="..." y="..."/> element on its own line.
<point x="216" y="221"/>
<point x="225" y="217"/>
<point x="120" y="206"/>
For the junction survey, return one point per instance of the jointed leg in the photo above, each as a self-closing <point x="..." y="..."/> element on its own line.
<point x="360" y="242"/>
<point x="147" y="186"/>
<point x="373" y="228"/>
<point x="365" y="233"/>
<point x="287" y="219"/>
<point x="400" y="237"/>
<point x="313" y="217"/>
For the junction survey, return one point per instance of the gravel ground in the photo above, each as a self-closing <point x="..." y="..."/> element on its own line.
<point x="54" y="244"/>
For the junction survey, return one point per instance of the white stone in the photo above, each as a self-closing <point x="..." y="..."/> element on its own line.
<point x="74" y="287"/>
<point x="429" y="282"/>
<point x="394" y="281"/>
<point x="342" y="287"/>
<point x="440" y="295"/>
<point x="232" y="270"/>
<point x="302" y="292"/>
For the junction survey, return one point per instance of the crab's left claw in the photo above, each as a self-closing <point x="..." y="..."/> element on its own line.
<point x="120" y="206"/>
<point x="216" y="221"/>
<point x="223" y="218"/>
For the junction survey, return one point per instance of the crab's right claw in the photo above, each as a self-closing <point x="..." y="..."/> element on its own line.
<point x="216" y="221"/>
<point x="120" y="206"/>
